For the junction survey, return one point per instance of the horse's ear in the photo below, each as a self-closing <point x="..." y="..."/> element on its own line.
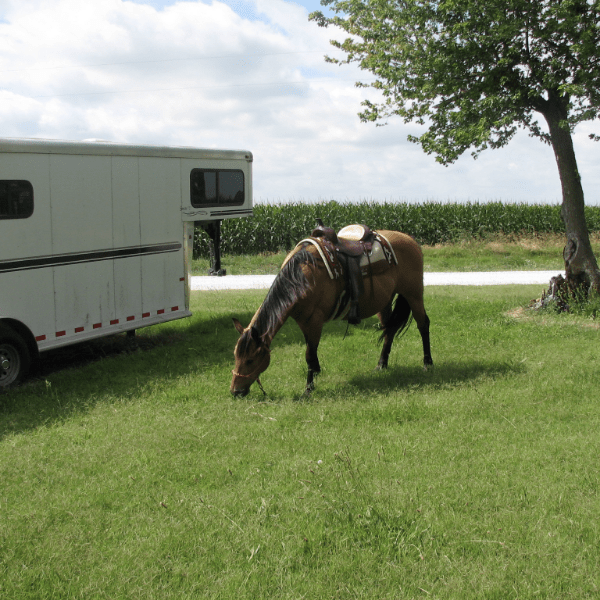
<point x="238" y="326"/>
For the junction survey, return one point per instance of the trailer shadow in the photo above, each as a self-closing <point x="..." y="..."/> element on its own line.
<point x="73" y="379"/>
<point x="87" y="353"/>
<point x="203" y="339"/>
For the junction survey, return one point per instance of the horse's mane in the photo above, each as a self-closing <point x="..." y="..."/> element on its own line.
<point x="289" y="286"/>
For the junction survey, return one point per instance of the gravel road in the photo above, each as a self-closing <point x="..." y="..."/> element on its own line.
<point x="260" y="282"/>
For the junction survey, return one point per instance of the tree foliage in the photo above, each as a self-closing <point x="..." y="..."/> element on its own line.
<point x="474" y="71"/>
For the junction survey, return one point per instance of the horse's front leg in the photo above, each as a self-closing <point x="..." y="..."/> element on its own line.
<point x="312" y="360"/>
<point x="312" y="329"/>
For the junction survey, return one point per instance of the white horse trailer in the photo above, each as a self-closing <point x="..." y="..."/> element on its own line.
<point x="96" y="238"/>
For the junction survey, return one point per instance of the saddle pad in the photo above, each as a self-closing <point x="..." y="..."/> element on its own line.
<point x="381" y="257"/>
<point x="328" y="256"/>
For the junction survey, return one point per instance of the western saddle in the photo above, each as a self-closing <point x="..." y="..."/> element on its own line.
<point x="350" y="244"/>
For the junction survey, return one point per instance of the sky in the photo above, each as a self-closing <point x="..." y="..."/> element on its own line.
<point x="249" y="75"/>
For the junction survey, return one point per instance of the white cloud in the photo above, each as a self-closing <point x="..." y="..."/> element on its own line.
<point x="239" y="74"/>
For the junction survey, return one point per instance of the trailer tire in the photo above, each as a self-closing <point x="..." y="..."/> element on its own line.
<point x="15" y="358"/>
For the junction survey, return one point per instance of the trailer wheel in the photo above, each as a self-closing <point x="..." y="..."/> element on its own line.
<point x="15" y="359"/>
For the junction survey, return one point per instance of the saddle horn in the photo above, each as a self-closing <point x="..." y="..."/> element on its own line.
<point x="326" y="232"/>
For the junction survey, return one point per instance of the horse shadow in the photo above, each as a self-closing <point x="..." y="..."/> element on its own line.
<point x="444" y="375"/>
<point x="397" y="377"/>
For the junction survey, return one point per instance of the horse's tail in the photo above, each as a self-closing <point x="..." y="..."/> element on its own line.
<point x="400" y="319"/>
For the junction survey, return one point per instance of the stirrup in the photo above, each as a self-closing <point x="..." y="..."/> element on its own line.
<point x="353" y="317"/>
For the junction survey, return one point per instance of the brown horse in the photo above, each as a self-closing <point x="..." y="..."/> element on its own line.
<point x="304" y="290"/>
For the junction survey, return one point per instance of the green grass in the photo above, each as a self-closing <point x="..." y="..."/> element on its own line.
<point x="139" y="476"/>
<point x="493" y="253"/>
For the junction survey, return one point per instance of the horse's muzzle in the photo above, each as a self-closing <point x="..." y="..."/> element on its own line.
<point x="240" y="393"/>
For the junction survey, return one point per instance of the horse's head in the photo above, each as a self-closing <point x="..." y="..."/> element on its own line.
<point x="252" y="357"/>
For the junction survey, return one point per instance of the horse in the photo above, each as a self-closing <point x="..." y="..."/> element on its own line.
<point x="305" y="290"/>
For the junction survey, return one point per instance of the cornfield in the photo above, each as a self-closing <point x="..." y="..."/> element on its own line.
<point x="276" y="227"/>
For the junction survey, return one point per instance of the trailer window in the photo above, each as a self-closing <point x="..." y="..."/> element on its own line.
<point x="211" y="187"/>
<point x="16" y="199"/>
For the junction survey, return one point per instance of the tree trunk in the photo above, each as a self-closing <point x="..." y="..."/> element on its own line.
<point x="580" y="263"/>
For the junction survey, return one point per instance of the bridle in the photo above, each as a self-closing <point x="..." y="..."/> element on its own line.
<point x="255" y="374"/>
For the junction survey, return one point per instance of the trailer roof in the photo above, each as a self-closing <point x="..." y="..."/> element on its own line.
<point x="104" y="148"/>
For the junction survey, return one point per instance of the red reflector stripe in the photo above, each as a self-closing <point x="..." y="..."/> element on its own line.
<point x="41" y="338"/>
<point x="182" y="279"/>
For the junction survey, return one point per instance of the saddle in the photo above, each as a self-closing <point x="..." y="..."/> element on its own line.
<point x="350" y="243"/>
<point x="352" y="240"/>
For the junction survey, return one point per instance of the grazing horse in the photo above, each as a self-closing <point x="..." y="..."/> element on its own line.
<point x="306" y="290"/>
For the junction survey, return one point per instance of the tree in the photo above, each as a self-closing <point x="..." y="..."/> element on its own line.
<point x="474" y="71"/>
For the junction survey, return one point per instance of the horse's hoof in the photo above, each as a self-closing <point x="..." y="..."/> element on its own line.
<point x="381" y="367"/>
<point x="308" y="390"/>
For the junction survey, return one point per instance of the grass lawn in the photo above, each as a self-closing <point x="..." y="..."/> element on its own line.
<point x="137" y="475"/>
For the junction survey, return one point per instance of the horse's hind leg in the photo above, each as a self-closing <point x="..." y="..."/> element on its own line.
<point x="424" y="331"/>
<point x="418" y="310"/>
<point x="398" y="319"/>
<point x="384" y="319"/>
